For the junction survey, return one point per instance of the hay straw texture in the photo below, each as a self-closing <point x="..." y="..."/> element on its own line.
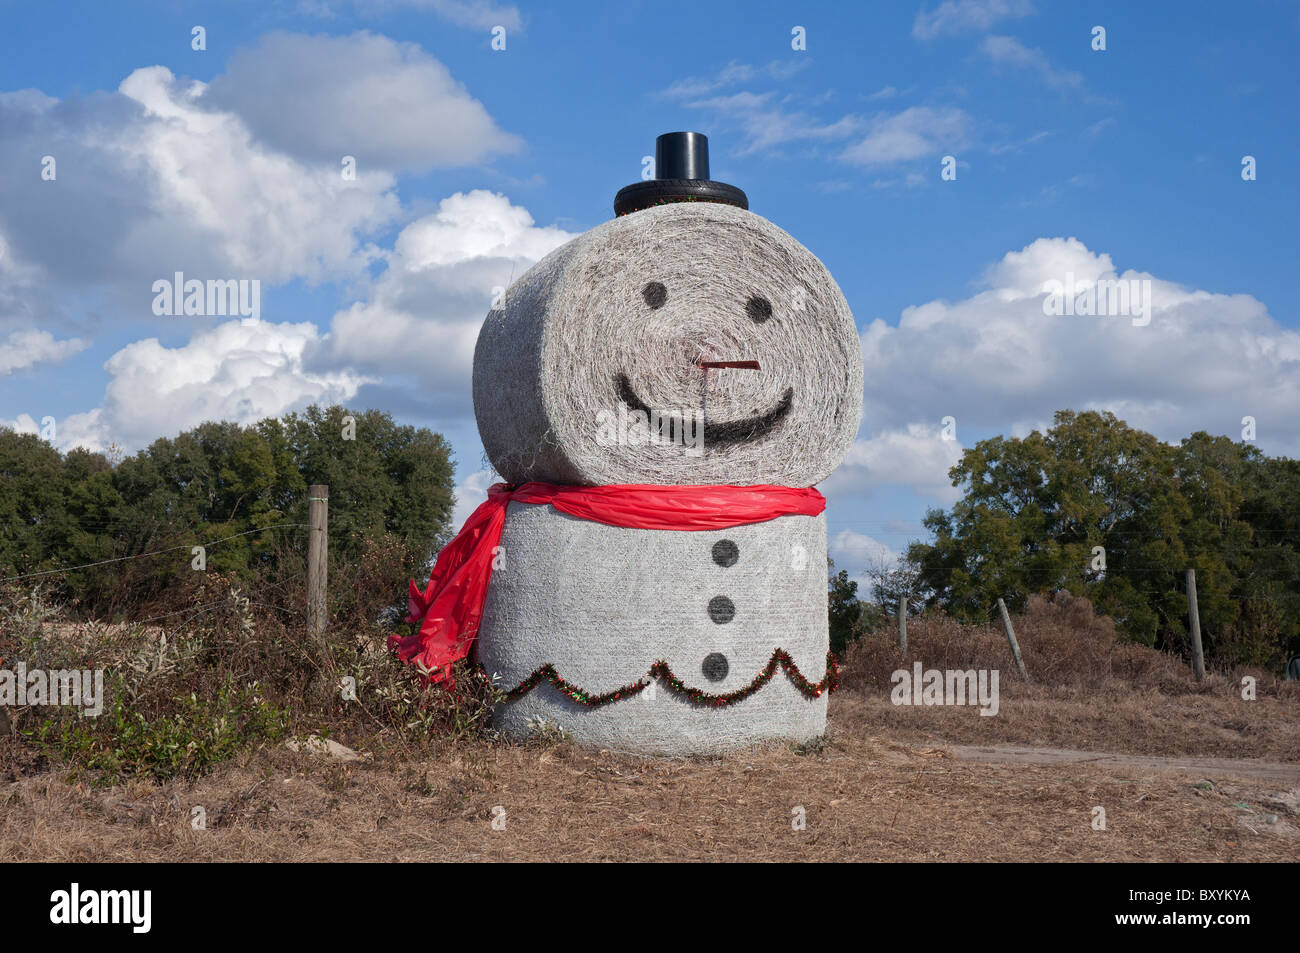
<point x="618" y="319"/>
<point x="548" y="364"/>
<point x="603" y="604"/>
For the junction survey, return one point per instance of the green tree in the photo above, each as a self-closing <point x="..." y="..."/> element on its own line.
<point x="1098" y="508"/>
<point x="33" y="519"/>
<point x="844" y="609"/>
<point x="220" y="481"/>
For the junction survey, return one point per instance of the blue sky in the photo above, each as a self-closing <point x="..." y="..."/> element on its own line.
<point x="472" y="163"/>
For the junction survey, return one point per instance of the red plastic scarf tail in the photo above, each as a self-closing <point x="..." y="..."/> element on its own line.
<point x="450" y="608"/>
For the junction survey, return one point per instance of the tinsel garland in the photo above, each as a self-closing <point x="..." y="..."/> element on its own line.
<point x="661" y="671"/>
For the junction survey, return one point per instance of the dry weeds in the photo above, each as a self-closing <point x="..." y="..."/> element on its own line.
<point x="885" y="784"/>
<point x="866" y="796"/>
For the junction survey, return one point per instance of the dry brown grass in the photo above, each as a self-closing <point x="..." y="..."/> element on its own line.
<point x="885" y="785"/>
<point x="1062" y="640"/>
<point x="866" y="797"/>
<point x="1088" y="690"/>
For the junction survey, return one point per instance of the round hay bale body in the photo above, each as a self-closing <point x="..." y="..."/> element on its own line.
<point x="602" y="605"/>
<point x="686" y="344"/>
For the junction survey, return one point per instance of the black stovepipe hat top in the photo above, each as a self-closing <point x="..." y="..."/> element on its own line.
<point x="681" y="175"/>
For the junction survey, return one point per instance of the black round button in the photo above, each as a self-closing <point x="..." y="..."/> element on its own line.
<point x="715" y="666"/>
<point x="721" y="609"/>
<point x="725" y="552"/>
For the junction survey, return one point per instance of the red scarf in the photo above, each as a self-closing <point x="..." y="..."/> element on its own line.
<point x="452" y="604"/>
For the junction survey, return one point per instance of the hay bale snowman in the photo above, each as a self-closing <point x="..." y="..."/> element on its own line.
<point x="660" y="394"/>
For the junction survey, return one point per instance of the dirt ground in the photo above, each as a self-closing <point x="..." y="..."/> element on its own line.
<point x="889" y="784"/>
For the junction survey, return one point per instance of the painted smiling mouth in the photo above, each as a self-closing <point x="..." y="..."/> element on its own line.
<point x="721" y="433"/>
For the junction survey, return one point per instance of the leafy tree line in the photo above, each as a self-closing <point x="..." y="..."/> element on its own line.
<point x="218" y="480"/>
<point x="1101" y="509"/>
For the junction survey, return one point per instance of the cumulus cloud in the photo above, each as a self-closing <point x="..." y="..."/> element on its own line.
<point x="996" y="362"/>
<point x="422" y="315"/>
<point x="28" y="348"/>
<point x="75" y="430"/>
<point x="412" y="332"/>
<point x="916" y="456"/>
<point x="235" y="371"/>
<point x="149" y="181"/>
<point x="167" y="174"/>
<point x="856" y="551"/>
<point x="857" y="554"/>
<point x="390" y="105"/>
<point x="966" y="16"/>
<point x="271" y="217"/>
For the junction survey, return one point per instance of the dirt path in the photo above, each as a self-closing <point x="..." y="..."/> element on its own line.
<point x="1134" y="765"/>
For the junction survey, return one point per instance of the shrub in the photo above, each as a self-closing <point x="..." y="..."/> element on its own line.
<point x="187" y="741"/>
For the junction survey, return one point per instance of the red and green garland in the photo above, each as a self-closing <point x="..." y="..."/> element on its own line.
<point x="661" y="671"/>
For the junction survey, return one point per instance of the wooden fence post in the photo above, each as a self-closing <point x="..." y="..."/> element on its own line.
<point x="1194" y="622"/>
<point x="317" y="568"/>
<point x="902" y="624"/>
<point x="1011" y="638"/>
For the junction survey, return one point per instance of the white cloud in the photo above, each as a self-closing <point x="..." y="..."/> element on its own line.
<point x="413" y="331"/>
<point x="470" y="492"/>
<point x="181" y="183"/>
<point x="731" y="74"/>
<point x="479" y="14"/>
<point x="964" y="16"/>
<point x="856" y="552"/>
<point x="767" y="121"/>
<point x="390" y="105"/>
<point x="474" y="225"/>
<point x="176" y="187"/>
<point x="1026" y="273"/>
<point x="1008" y="51"/>
<point x="235" y="371"/>
<point x="997" y="363"/>
<point x="184" y="186"/>
<point x="421" y="316"/>
<point x="693" y="86"/>
<point x="912" y="134"/>
<point x="270" y="217"/>
<point x="916" y="456"/>
<point x="1098" y="127"/>
<point x="28" y="348"/>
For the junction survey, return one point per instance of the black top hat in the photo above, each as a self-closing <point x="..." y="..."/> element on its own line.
<point x="681" y="175"/>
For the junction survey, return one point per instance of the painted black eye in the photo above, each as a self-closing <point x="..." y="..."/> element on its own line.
<point x="655" y="294"/>
<point x="758" y="308"/>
